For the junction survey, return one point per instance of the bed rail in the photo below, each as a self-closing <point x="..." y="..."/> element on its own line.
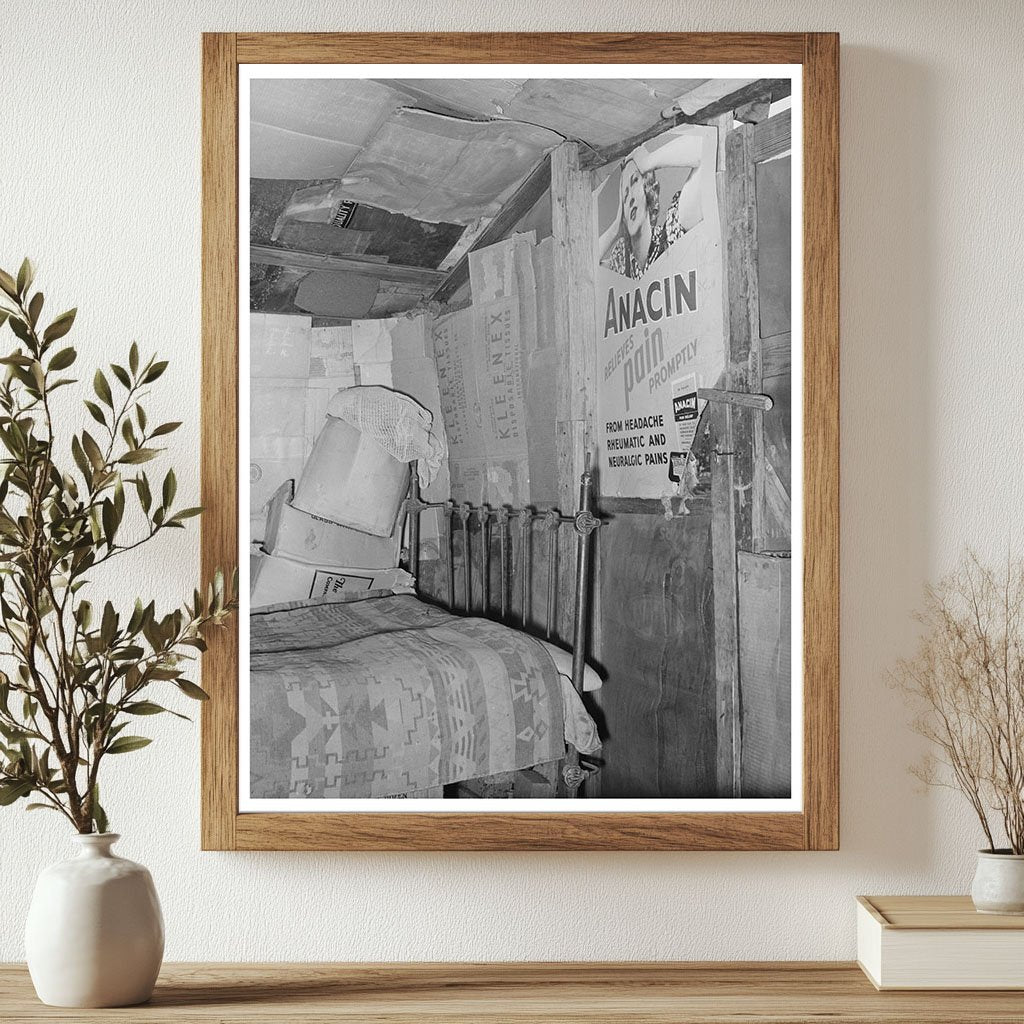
<point x="514" y="573"/>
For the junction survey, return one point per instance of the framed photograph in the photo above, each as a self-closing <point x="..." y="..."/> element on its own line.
<point x="520" y="419"/>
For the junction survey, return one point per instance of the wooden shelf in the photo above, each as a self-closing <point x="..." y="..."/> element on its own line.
<point x="636" y="993"/>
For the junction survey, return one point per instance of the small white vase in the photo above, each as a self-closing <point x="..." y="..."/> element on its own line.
<point x="999" y="883"/>
<point x="95" y="934"/>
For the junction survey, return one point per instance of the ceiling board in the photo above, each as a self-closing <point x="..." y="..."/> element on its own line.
<point x="599" y="111"/>
<point x="312" y="127"/>
<point x="343" y="109"/>
<point x="279" y="153"/>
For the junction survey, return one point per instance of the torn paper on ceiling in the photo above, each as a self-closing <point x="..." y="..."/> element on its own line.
<point x="445" y="170"/>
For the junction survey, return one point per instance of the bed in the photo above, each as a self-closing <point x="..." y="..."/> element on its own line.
<point x="406" y="695"/>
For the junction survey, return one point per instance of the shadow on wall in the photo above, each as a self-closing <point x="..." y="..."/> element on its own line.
<point x="887" y="206"/>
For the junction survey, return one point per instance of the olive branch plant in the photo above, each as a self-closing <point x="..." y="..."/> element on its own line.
<point x="966" y="681"/>
<point x="80" y="673"/>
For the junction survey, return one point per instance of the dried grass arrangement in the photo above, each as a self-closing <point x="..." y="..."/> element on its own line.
<point x="966" y="682"/>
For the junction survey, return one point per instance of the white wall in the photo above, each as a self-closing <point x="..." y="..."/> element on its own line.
<point x="99" y="181"/>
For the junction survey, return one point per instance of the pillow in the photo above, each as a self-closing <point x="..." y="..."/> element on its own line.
<point x="563" y="666"/>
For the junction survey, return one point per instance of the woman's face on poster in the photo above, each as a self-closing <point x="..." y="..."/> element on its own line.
<point x="633" y="196"/>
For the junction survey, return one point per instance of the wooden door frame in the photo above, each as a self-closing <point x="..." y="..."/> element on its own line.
<point x="738" y="430"/>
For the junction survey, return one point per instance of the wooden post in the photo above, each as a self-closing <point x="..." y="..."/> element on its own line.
<point x="723" y="555"/>
<point x="573" y="232"/>
<point x="744" y="332"/>
<point x="735" y="518"/>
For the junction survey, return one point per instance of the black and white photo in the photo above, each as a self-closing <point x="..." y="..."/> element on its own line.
<point x="522" y="421"/>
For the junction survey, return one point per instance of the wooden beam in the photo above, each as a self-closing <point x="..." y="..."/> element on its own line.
<point x="572" y="229"/>
<point x="742" y="399"/>
<point x="537" y="182"/>
<point x="744" y="351"/>
<point x="726" y="597"/>
<point x="769" y="89"/>
<point x="575" y="342"/>
<point x="422" y="277"/>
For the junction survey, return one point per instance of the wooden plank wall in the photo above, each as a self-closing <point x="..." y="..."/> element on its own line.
<point x="667" y="623"/>
<point x="773" y="486"/>
<point x="670" y="626"/>
<point x="656" y="647"/>
<point x="765" y="665"/>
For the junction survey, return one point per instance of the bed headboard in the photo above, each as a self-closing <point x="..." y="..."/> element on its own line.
<point x="476" y="526"/>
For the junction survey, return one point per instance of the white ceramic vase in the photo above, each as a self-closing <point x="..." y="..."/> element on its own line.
<point x="95" y="934"/>
<point x="999" y="883"/>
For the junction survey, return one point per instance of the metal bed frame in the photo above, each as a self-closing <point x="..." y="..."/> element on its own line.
<point x="460" y="516"/>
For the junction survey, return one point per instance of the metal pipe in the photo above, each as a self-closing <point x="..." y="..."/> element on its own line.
<point x="464" y="513"/>
<point x="503" y="539"/>
<point x="484" y="514"/>
<point x="552" y="520"/>
<point x="449" y="536"/>
<point x="414" y="522"/>
<point x="527" y="556"/>
<point x="584" y="523"/>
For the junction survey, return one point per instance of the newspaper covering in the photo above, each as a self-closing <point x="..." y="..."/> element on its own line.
<point x="480" y="359"/>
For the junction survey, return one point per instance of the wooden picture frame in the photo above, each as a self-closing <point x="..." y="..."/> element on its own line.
<point x="816" y="826"/>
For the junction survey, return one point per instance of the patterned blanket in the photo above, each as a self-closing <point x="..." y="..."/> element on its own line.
<point x="389" y="696"/>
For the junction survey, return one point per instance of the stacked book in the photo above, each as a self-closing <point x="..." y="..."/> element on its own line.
<point x="938" y="942"/>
